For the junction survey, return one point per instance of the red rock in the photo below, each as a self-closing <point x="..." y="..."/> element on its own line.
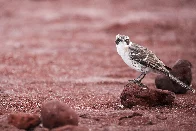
<point x="24" y="120"/>
<point x="70" y="128"/>
<point x="56" y="114"/>
<point x="134" y="95"/>
<point x="164" y="83"/>
<point x="182" y="70"/>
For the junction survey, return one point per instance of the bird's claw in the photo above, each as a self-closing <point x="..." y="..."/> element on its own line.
<point x="135" y="81"/>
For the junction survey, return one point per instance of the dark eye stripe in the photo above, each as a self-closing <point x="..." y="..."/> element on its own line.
<point x="127" y="41"/>
<point x="118" y="40"/>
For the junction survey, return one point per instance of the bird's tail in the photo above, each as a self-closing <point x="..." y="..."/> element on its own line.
<point x="180" y="82"/>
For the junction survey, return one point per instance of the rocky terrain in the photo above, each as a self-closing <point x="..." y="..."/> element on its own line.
<point x="65" y="51"/>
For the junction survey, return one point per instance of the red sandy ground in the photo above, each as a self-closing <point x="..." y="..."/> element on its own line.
<point x="65" y="50"/>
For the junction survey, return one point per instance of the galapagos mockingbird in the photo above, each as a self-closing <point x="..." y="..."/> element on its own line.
<point x="143" y="60"/>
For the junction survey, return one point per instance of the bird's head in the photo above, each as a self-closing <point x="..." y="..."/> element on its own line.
<point x="122" y="40"/>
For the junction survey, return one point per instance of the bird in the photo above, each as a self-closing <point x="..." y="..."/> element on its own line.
<point x="143" y="60"/>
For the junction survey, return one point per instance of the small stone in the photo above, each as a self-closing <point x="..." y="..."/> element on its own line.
<point x="135" y="95"/>
<point x="55" y="114"/>
<point x="181" y="70"/>
<point x="24" y="120"/>
<point x="70" y="128"/>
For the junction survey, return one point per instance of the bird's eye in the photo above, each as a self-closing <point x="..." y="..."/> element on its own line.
<point x="118" y="40"/>
<point x="127" y="41"/>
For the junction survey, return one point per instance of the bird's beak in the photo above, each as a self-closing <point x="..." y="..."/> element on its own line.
<point x="116" y="42"/>
<point x="117" y="36"/>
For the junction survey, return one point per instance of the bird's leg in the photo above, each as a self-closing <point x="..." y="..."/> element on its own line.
<point x="139" y="79"/>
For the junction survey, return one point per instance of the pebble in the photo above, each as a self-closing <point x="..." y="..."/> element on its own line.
<point x="24" y="120"/>
<point x="55" y="114"/>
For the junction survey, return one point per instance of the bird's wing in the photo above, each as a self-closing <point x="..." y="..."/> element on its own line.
<point x="146" y="57"/>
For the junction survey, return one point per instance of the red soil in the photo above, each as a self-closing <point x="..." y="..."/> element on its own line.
<point x="65" y="50"/>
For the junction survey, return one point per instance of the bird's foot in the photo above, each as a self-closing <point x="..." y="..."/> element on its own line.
<point x="138" y="82"/>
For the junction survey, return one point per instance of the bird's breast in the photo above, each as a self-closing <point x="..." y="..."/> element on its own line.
<point x="124" y="53"/>
<point x="122" y="50"/>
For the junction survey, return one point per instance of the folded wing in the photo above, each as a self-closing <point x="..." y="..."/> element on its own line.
<point x="146" y="58"/>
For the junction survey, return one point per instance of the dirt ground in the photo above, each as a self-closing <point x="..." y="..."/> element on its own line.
<point x="65" y="50"/>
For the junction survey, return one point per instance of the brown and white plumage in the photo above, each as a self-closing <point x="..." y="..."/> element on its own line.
<point x="142" y="59"/>
<point x="146" y="57"/>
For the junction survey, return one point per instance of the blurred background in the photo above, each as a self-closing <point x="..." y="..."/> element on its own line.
<point x="76" y="38"/>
